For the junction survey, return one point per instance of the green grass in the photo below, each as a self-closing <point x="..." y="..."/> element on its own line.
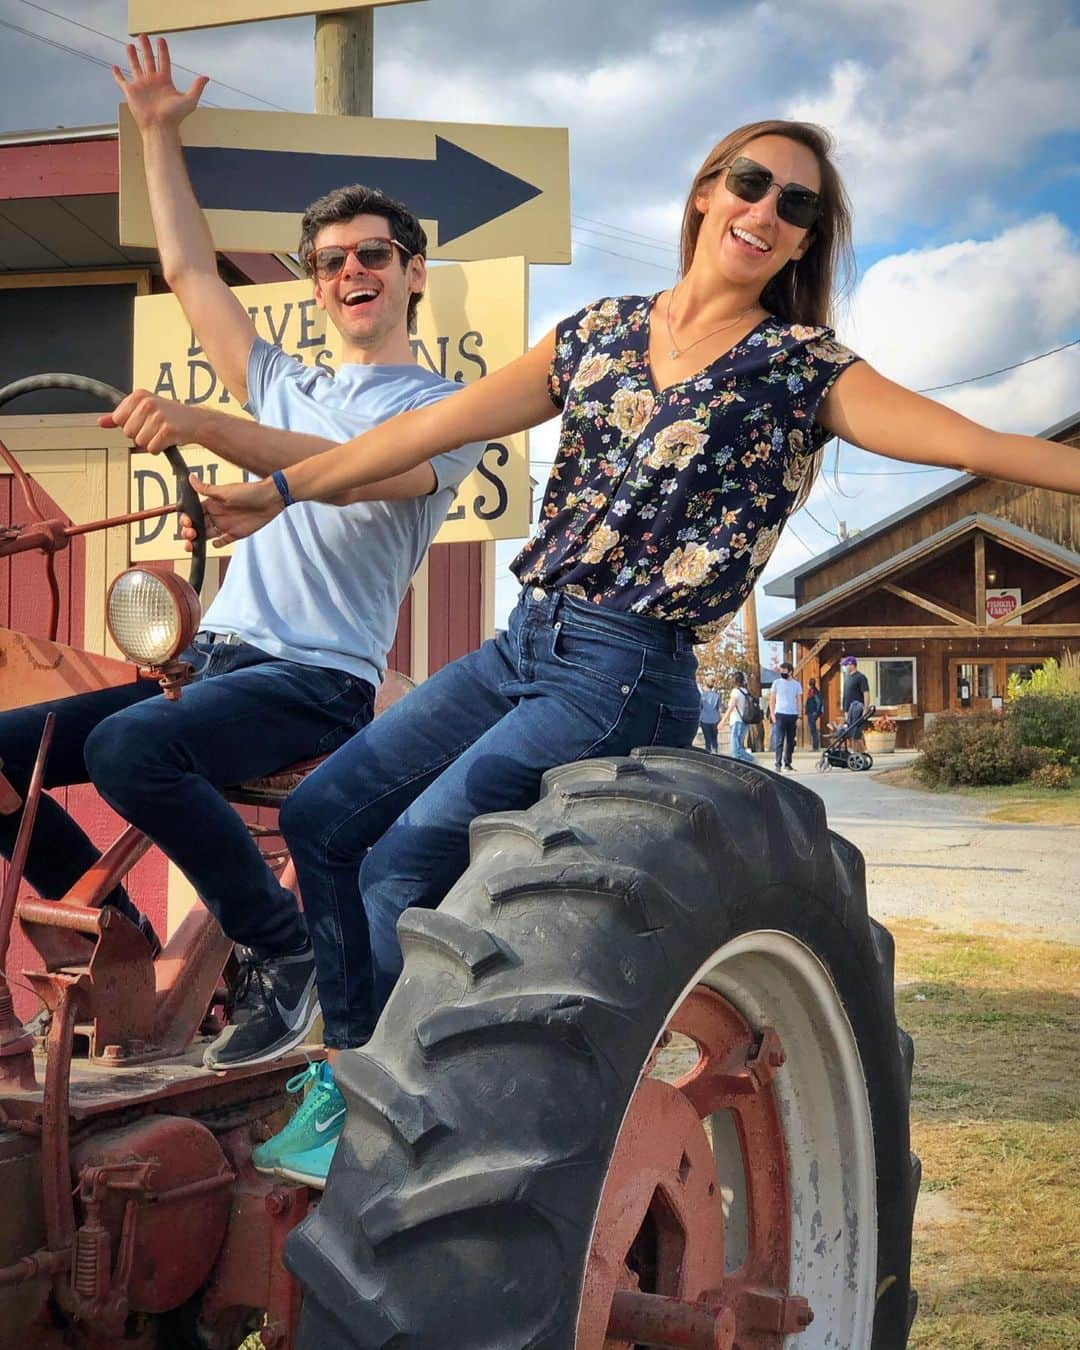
<point x="1017" y="803"/>
<point x="996" y="1121"/>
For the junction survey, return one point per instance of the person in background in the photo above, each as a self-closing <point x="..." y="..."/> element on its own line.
<point x="710" y="713"/>
<point x="855" y="695"/>
<point x="813" y="707"/>
<point x="785" y="703"/>
<point x="733" y="716"/>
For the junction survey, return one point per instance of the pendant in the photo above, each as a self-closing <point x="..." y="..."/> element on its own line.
<point x="673" y="355"/>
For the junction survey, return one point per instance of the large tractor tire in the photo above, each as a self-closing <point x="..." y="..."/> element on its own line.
<point x="640" y="1083"/>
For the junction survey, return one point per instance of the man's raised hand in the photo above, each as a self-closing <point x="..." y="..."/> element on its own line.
<point x="151" y="95"/>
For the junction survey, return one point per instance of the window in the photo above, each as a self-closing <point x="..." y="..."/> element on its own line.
<point x="892" y="680"/>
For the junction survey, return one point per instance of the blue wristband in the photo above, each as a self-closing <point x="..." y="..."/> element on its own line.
<point x="282" y="484"/>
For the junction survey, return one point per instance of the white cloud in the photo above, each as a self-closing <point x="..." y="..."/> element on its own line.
<point x="930" y="98"/>
<point x="931" y="316"/>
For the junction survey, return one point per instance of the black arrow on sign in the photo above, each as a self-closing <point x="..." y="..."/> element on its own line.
<point x="456" y="188"/>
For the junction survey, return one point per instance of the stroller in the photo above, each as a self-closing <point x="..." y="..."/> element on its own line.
<point x="838" y="754"/>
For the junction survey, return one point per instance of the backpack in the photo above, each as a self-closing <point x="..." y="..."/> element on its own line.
<point x="751" y="710"/>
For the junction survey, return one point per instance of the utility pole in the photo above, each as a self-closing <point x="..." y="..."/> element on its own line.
<point x="753" y="662"/>
<point x="345" y="63"/>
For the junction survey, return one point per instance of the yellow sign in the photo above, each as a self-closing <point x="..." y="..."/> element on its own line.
<point x="169" y="16"/>
<point x="481" y="191"/>
<point x="471" y="320"/>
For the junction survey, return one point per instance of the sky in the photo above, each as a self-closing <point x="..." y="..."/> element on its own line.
<point x="958" y="136"/>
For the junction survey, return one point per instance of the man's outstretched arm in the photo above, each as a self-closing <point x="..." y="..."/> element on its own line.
<point x="219" y="321"/>
<point x="153" y="423"/>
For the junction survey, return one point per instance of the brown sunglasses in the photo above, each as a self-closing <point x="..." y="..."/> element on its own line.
<point x="372" y="254"/>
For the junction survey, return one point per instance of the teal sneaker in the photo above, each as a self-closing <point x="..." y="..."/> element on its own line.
<point x="318" y="1120"/>
<point x="311" y="1167"/>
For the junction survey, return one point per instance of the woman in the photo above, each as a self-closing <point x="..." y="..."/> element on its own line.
<point x="813" y="708"/>
<point x="709" y="715"/>
<point x="693" y="423"/>
<point x="734" y="716"/>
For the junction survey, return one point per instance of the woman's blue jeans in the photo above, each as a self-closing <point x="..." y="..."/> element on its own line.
<point x="568" y="680"/>
<point x="738" y="741"/>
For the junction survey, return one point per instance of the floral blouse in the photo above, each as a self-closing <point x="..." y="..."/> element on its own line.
<point x="669" y="503"/>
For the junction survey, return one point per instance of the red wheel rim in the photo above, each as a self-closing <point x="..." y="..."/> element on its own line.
<point x="658" y="1271"/>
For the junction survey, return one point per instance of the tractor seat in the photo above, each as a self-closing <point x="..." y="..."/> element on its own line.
<point x="275" y="787"/>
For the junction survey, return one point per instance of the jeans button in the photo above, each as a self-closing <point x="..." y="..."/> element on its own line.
<point x="626" y="688"/>
<point x="538" y="593"/>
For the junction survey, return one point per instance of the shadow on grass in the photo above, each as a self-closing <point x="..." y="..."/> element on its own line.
<point x="992" y="1054"/>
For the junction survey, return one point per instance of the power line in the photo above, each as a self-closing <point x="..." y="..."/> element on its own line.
<point x="934" y="388"/>
<point x="51" y="42"/>
<point x="633" y="234"/>
<point x="824" y="528"/>
<point x="109" y="37"/>
<point x="799" y="539"/>
<point x="622" y="238"/>
<point x="584" y="243"/>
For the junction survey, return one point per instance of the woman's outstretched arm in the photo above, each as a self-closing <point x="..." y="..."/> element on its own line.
<point x="507" y="401"/>
<point x="870" y="411"/>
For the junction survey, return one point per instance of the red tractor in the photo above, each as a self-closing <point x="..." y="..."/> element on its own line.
<point x="640" y="1083"/>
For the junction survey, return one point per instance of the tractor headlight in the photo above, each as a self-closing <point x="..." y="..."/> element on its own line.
<point x="151" y="615"/>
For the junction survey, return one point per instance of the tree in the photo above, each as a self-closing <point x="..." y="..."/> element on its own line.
<point x="720" y="659"/>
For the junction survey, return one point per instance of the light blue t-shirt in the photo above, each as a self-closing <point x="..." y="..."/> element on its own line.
<point x="321" y="585"/>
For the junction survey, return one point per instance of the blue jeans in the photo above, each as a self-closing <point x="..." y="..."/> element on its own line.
<point x="786" y="726"/>
<point x="738" y="741"/>
<point x="567" y="680"/>
<point x="160" y="765"/>
<point x="709" y="733"/>
<point x="812" y="720"/>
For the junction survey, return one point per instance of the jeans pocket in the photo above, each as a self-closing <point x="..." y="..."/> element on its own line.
<point x="676" y="726"/>
<point x="595" y="654"/>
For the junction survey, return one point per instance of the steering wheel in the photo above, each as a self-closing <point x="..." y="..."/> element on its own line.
<point x="189" y="502"/>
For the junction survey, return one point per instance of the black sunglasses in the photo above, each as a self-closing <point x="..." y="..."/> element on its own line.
<point x="750" y="181"/>
<point x="372" y="254"/>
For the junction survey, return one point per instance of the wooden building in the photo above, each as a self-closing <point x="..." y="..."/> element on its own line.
<point x="944" y="600"/>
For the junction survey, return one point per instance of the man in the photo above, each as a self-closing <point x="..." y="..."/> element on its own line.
<point x="785" y="704"/>
<point x="295" y="643"/>
<point x="854" y="696"/>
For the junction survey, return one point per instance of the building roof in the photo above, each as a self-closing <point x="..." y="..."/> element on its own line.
<point x="1033" y="544"/>
<point x="785" y="585"/>
<point x="59" y="198"/>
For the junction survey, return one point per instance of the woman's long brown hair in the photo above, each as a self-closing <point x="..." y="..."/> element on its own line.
<point x="800" y="292"/>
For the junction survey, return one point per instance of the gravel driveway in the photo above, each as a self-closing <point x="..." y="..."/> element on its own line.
<point x="936" y="856"/>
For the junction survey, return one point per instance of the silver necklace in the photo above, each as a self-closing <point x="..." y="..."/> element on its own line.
<point x="674" y="352"/>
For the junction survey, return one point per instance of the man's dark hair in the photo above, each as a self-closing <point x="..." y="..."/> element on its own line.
<point x="346" y="202"/>
<point x="738" y="679"/>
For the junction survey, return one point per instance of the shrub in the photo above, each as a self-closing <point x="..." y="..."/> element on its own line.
<point x="1051" y="678"/>
<point x="1050" y="719"/>
<point x="883" y="722"/>
<point x="1052" y="776"/>
<point x="974" y="749"/>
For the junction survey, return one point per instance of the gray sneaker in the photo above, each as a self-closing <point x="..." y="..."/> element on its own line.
<point x="274" y="1006"/>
